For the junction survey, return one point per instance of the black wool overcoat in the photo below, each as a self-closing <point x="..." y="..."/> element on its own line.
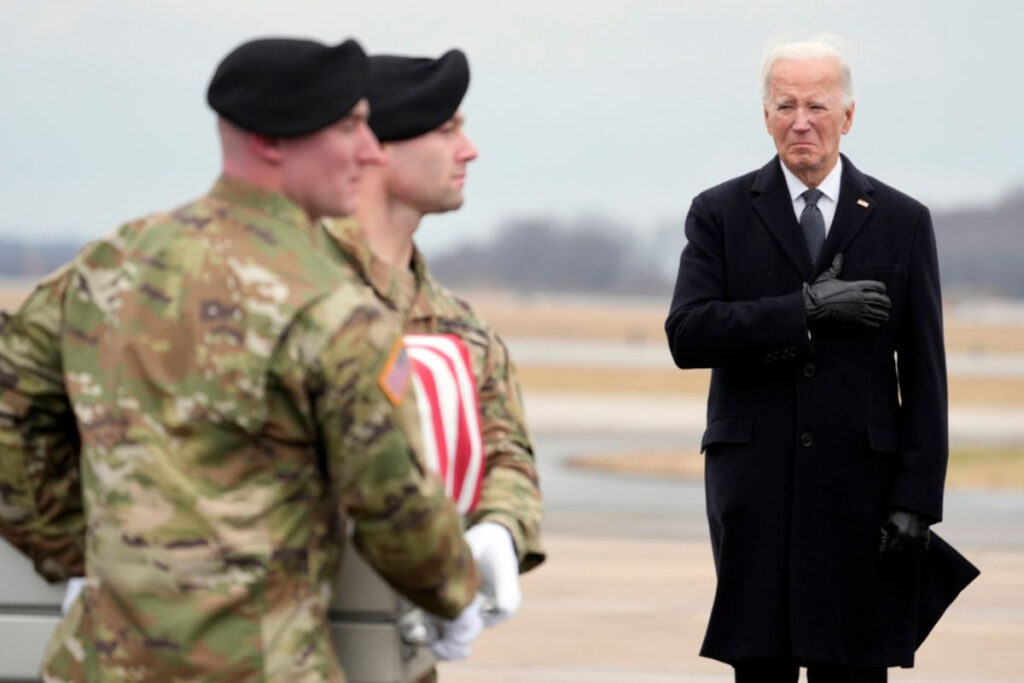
<point x="812" y="438"/>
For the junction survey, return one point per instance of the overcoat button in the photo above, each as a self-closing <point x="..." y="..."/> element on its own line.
<point x="809" y="370"/>
<point x="806" y="439"/>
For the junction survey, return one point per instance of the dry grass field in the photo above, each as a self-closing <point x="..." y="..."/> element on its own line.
<point x="965" y="390"/>
<point x="978" y="466"/>
<point x="632" y="322"/>
<point x="641" y="323"/>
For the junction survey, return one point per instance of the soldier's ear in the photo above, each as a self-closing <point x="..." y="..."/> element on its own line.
<point x="267" y="148"/>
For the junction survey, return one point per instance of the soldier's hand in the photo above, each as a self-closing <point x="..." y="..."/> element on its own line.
<point x="456" y="636"/>
<point x="831" y="302"/>
<point x="904" y="533"/>
<point x="495" y="555"/>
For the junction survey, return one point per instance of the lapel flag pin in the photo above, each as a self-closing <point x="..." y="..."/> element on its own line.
<point x="862" y="202"/>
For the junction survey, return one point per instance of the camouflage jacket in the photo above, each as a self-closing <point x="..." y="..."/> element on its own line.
<point x="241" y="401"/>
<point x="40" y="497"/>
<point x="510" y="493"/>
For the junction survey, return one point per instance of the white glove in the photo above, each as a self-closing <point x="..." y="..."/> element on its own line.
<point x="495" y="555"/>
<point x="75" y="586"/>
<point x="455" y="637"/>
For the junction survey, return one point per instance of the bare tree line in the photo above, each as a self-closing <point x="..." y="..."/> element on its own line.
<point x="981" y="251"/>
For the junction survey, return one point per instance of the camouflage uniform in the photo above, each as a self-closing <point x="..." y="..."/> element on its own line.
<point x="510" y="494"/>
<point x="239" y="399"/>
<point x="40" y="496"/>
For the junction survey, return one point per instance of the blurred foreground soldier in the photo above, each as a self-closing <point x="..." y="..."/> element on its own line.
<point x="812" y="290"/>
<point x="415" y="114"/>
<point x="241" y="398"/>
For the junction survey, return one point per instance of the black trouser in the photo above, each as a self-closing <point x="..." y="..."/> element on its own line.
<point x="783" y="671"/>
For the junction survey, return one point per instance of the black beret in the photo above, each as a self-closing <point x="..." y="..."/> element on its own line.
<point x="288" y="87"/>
<point x="410" y="96"/>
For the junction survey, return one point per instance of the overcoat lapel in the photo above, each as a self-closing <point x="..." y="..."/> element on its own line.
<point x="772" y="203"/>
<point x="854" y="208"/>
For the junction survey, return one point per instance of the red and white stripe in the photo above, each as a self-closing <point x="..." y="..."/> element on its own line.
<point x="446" y="396"/>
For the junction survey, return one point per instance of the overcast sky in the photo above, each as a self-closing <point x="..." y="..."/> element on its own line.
<point x="619" y="107"/>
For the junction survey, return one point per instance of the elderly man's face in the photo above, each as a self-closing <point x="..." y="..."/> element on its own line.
<point x="806" y="117"/>
<point x="321" y="172"/>
<point x="428" y="172"/>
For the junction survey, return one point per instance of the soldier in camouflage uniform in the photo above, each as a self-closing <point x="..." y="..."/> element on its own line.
<point x="414" y="112"/>
<point x="241" y="400"/>
<point x="510" y="494"/>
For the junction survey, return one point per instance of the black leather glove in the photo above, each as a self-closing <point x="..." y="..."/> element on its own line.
<point x="904" y="533"/>
<point x="845" y="303"/>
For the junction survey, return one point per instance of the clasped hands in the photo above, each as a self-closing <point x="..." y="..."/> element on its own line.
<point x="495" y="555"/>
<point x="858" y="304"/>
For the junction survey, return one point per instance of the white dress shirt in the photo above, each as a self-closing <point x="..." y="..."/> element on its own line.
<point x="829" y="192"/>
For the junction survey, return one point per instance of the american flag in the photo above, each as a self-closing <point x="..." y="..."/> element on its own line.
<point x="446" y="395"/>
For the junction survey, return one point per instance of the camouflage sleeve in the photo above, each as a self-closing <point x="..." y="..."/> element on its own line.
<point x="40" y="495"/>
<point x="404" y="524"/>
<point x="510" y="494"/>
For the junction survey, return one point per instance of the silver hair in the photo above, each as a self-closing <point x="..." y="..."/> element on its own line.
<point x="818" y="47"/>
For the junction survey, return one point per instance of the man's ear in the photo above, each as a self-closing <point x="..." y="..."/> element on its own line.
<point x="268" y="149"/>
<point x="848" y="117"/>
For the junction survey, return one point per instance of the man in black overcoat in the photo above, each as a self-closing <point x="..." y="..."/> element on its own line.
<point x="820" y="315"/>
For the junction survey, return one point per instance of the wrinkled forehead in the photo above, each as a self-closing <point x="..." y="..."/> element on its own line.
<point x="805" y="77"/>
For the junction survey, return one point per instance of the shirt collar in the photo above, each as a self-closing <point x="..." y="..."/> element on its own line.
<point x="829" y="186"/>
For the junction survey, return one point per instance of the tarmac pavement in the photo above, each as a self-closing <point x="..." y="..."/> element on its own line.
<point x="619" y="609"/>
<point x="629" y="581"/>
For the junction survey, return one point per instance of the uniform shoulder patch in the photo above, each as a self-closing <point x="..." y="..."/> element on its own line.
<point x="395" y="377"/>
